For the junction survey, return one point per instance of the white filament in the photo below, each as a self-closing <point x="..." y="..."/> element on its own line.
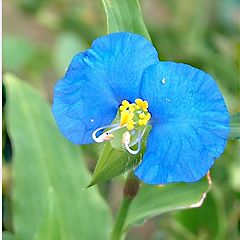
<point x="127" y="143"/>
<point x="106" y="135"/>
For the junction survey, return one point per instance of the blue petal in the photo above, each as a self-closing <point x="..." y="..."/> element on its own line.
<point x="97" y="81"/>
<point x="190" y="123"/>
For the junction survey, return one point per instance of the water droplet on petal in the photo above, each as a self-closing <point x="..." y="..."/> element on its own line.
<point x="163" y="80"/>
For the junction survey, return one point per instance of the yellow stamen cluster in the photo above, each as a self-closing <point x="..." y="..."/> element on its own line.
<point x="132" y="114"/>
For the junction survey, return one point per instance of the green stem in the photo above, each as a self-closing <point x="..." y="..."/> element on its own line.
<point x="130" y="191"/>
<point x="120" y="220"/>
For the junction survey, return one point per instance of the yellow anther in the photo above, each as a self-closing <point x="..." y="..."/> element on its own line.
<point x="125" y="105"/>
<point x="130" y="122"/>
<point x="140" y="122"/>
<point x="148" y="116"/>
<point x="125" y="102"/>
<point x="130" y="125"/>
<point x="127" y="119"/>
<point x="131" y="108"/>
<point x="138" y="101"/>
<point x="142" y="115"/>
<point x="130" y="117"/>
<point x="141" y="104"/>
<point x="124" y="117"/>
<point x="144" y="120"/>
<point x="145" y="106"/>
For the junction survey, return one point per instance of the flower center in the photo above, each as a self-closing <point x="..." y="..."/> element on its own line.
<point x="134" y="114"/>
<point x="133" y="117"/>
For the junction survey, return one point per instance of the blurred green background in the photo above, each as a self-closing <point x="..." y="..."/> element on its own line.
<point x="39" y="39"/>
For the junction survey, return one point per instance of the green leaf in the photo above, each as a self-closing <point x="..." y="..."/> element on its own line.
<point x="7" y="236"/>
<point x="212" y="224"/>
<point x="112" y="162"/>
<point x="49" y="226"/>
<point x="235" y="126"/>
<point x="44" y="161"/>
<point x="15" y="46"/>
<point x="67" y="45"/>
<point x="30" y="6"/>
<point x="125" y="16"/>
<point x="155" y="200"/>
<point x="30" y="58"/>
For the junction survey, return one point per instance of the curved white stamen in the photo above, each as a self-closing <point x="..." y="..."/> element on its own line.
<point x="133" y="151"/>
<point x="126" y="140"/>
<point x="140" y="135"/>
<point x="106" y="136"/>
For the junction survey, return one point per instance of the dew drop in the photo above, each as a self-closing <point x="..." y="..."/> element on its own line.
<point x="163" y="81"/>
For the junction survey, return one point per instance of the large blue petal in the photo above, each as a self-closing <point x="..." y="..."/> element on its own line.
<point x="97" y="81"/>
<point x="190" y="123"/>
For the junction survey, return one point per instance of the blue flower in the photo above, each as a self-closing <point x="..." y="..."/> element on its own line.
<point x="121" y="78"/>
